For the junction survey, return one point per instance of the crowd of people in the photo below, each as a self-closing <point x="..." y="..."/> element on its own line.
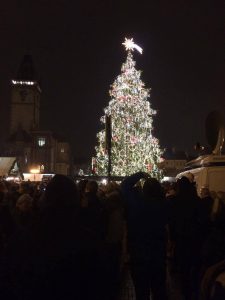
<point x="75" y="240"/>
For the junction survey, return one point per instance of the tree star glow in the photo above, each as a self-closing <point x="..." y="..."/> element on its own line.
<point x="130" y="45"/>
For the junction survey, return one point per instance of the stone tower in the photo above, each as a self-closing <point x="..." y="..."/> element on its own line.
<point x="34" y="148"/>
<point x="25" y="100"/>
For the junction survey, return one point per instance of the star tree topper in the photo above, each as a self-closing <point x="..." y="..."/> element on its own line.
<point x="130" y="45"/>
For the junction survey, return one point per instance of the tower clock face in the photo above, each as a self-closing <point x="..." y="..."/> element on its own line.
<point x="24" y="94"/>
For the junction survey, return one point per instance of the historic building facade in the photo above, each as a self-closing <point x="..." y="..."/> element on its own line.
<point x="173" y="162"/>
<point x="35" y="149"/>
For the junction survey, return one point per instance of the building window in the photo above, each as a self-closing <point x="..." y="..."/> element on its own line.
<point x="62" y="150"/>
<point x="41" y="141"/>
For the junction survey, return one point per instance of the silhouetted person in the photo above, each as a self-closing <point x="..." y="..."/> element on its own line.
<point x="3" y="191"/>
<point x="205" y="211"/>
<point x="93" y="214"/>
<point x="23" y="212"/>
<point x="146" y="223"/>
<point x="81" y="192"/>
<point x="114" y="210"/>
<point x="185" y="233"/>
<point x="58" y="259"/>
<point x="12" y="196"/>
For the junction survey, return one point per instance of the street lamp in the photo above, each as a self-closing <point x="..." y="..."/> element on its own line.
<point x="35" y="171"/>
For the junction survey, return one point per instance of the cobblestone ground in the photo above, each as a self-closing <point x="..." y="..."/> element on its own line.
<point x="128" y="293"/>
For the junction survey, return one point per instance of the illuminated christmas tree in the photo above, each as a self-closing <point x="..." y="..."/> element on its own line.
<point x="133" y="147"/>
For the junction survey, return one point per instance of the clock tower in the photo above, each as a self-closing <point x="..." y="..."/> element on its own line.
<point x="36" y="150"/>
<point x="25" y="99"/>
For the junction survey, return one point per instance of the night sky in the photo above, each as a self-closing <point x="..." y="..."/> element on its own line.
<point x="77" y="52"/>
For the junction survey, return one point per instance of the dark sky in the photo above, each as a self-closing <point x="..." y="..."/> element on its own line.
<point x="77" y="51"/>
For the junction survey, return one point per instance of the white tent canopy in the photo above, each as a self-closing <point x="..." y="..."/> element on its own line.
<point x="6" y="163"/>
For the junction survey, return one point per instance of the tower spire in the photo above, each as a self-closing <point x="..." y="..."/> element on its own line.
<point x="26" y="71"/>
